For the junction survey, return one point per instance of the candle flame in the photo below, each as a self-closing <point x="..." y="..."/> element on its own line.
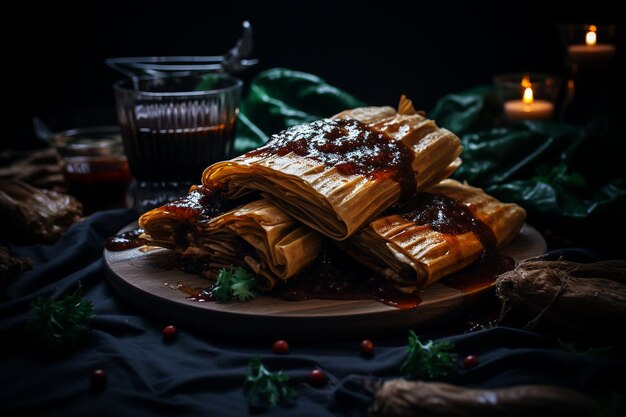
<point x="528" y="96"/>
<point x="591" y="37"/>
<point x="526" y="81"/>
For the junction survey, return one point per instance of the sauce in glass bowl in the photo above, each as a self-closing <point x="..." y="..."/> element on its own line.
<point x="94" y="166"/>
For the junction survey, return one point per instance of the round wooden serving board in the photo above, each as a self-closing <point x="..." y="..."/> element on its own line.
<point x="147" y="279"/>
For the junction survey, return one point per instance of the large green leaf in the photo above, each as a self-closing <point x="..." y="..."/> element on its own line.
<point x="280" y="98"/>
<point x="565" y="176"/>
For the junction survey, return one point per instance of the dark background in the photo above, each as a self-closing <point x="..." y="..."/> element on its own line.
<point x="55" y="52"/>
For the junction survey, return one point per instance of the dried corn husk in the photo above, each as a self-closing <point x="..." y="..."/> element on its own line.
<point x="402" y="398"/>
<point x="29" y="214"/>
<point x="582" y="298"/>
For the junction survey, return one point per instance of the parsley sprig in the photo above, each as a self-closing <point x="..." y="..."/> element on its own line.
<point x="429" y="359"/>
<point x="233" y="283"/>
<point x="59" y="326"/>
<point x="265" y="389"/>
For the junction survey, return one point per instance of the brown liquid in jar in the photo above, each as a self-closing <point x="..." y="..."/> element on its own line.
<point x="177" y="154"/>
<point x="98" y="183"/>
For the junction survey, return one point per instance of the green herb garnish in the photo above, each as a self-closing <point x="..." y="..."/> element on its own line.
<point x="233" y="283"/>
<point x="265" y="389"/>
<point x="429" y="359"/>
<point x="60" y="325"/>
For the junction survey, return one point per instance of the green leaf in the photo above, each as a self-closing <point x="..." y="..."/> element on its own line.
<point x="242" y="289"/>
<point x="233" y="283"/>
<point x="265" y="389"/>
<point x="429" y="359"/>
<point x="559" y="175"/>
<point x="221" y="290"/>
<point x="240" y="274"/>
<point x="62" y="325"/>
<point x="280" y="98"/>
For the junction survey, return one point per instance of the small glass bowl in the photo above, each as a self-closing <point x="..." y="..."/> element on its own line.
<point x="94" y="166"/>
<point x="528" y="96"/>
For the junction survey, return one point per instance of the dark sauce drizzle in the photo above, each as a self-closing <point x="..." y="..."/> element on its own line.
<point x="448" y="216"/>
<point x="336" y="276"/>
<point x="201" y="205"/>
<point x="125" y="241"/>
<point x="481" y="274"/>
<point x="197" y="294"/>
<point x="445" y="215"/>
<point x="197" y="207"/>
<point x="350" y="146"/>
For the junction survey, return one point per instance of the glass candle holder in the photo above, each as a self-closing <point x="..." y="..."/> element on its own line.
<point x="589" y="47"/>
<point x="589" y="52"/>
<point x="528" y="96"/>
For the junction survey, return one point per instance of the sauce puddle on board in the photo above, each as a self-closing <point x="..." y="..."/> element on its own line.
<point x="125" y="241"/>
<point x="335" y="276"/>
<point x="481" y="274"/>
<point x="197" y="294"/>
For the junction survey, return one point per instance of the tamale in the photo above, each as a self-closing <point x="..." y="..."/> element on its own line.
<point x="440" y="231"/>
<point x="256" y="235"/>
<point x="334" y="175"/>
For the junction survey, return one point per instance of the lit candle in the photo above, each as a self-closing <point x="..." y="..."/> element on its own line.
<point x="528" y="108"/>
<point x="591" y="51"/>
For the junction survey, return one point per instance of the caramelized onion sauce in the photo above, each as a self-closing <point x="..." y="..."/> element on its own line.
<point x="350" y="146"/>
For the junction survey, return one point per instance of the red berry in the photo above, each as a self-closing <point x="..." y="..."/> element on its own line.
<point x="470" y="361"/>
<point x="169" y="332"/>
<point x="98" y="378"/>
<point x="281" y="347"/>
<point x="317" y="377"/>
<point x="367" y="347"/>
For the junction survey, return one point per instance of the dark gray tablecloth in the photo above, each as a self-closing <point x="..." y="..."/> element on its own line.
<point x="202" y="374"/>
